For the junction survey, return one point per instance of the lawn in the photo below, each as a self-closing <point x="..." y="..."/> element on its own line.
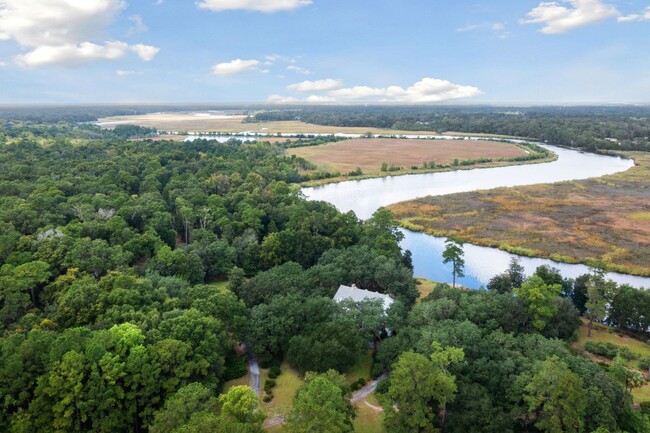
<point x="368" y="420"/>
<point x="581" y="221"/>
<point x="425" y="287"/>
<point x="361" y="369"/>
<point x="287" y="384"/>
<point x="608" y="334"/>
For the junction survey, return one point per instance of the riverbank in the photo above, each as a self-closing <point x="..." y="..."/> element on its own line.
<point x="587" y="221"/>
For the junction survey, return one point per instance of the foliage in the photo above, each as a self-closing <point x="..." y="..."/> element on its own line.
<point x="320" y="406"/>
<point x="454" y="253"/>
<point x="539" y="298"/>
<point x="556" y="398"/>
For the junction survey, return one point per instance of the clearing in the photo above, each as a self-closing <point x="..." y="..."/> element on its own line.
<point x="370" y="153"/>
<point x="606" y="334"/>
<point x="221" y="122"/>
<point x="581" y="221"/>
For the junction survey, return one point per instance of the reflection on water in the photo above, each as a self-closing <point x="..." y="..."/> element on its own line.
<point x="365" y="196"/>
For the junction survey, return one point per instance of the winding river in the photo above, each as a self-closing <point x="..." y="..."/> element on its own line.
<point x="481" y="263"/>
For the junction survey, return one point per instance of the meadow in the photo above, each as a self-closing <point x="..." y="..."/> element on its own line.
<point x="601" y="220"/>
<point x="204" y="122"/>
<point x="370" y="153"/>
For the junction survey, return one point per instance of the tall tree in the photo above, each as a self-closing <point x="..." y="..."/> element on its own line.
<point x="600" y="293"/>
<point x="420" y="389"/>
<point x="556" y="398"/>
<point x="539" y="298"/>
<point x="454" y="253"/>
<point x="320" y="407"/>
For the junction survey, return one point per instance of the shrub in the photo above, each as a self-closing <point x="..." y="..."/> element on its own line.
<point x="358" y="384"/>
<point x="269" y="384"/>
<point x="645" y="407"/>
<point x="609" y="350"/>
<point x="274" y="372"/>
<point x="267" y="397"/>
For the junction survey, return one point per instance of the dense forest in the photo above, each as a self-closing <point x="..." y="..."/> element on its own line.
<point x="115" y="314"/>
<point x="591" y="128"/>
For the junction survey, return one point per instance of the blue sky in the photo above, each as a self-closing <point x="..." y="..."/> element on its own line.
<point x="325" y="51"/>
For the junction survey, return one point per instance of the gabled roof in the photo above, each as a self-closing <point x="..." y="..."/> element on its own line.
<point x="358" y="295"/>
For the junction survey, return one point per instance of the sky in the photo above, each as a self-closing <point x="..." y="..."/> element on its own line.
<point x="325" y="51"/>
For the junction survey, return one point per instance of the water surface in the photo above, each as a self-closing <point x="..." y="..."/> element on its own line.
<point x="364" y="197"/>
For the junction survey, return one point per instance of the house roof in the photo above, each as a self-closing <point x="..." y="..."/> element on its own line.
<point x="358" y="295"/>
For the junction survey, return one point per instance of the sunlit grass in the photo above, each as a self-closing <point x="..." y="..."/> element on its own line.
<point x="575" y="222"/>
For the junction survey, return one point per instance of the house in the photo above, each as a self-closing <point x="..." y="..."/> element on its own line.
<point x="357" y="295"/>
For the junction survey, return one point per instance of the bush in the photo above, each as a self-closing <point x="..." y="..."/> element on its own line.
<point x="645" y="407"/>
<point x="609" y="350"/>
<point x="236" y="368"/>
<point x="274" y="372"/>
<point x="267" y="397"/>
<point x="360" y="383"/>
<point x="269" y="384"/>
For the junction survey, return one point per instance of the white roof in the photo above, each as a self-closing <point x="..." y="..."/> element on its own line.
<point x="358" y="295"/>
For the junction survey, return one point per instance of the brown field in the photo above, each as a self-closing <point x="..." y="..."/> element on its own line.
<point x="198" y="122"/>
<point x="582" y="221"/>
<point x="369" y="153"/>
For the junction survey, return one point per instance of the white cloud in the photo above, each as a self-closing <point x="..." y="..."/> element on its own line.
<point x="253" y="5"/>
<point x="138" y="25"/>
<point x="498" y="29"/>
<point x="278" y="99"/>
<point x="34" y="23"/>
<point x="123" y="73"/>
<point x="468" y="28"/>
<point x="70" y="54"/>
<point x="3" y="64"/>
<point x="644" y="16"/>
<point x="315" y="86"/>
<point x="559" y="18"/>
<point x="60" y="31"/>
<point x="145" y="52"/>
<point x="319" y="99"/>
<point x="424" y="91"/>
<point x="427" y="90"/>
<point x="233" y="67"/>
<point x="298" y="70"/>
<point x="272" y="58"/>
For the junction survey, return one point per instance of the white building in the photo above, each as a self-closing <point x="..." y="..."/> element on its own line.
<point x="357" y="295"/>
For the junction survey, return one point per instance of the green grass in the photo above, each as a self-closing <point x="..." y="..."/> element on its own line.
<point x="425" y="287"/>
<point x="287" y="384"/>
<point x="221" y="284"/>
<point x="606" y="334"/>
<point x="368" y="420"/>
<point x="244" y="380"/>
<point x="361" y="369"/>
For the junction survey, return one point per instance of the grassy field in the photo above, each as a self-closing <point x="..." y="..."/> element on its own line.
<point x="369" y="153"/>
<point x="606" y="334"/>
<point x="425" y="287"/>
<point x="361" y="369"/>
<point x="581" y="221"/>
<point x="202" y="122"/>
<point x="369" y="419"/>
<point x="287" y="384"/>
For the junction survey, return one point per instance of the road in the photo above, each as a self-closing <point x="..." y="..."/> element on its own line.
<point x="357" y="396"/>
<point x="254" y="369"/>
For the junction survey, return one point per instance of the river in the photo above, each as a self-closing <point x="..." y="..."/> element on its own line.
<point x="481" y="263"/>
